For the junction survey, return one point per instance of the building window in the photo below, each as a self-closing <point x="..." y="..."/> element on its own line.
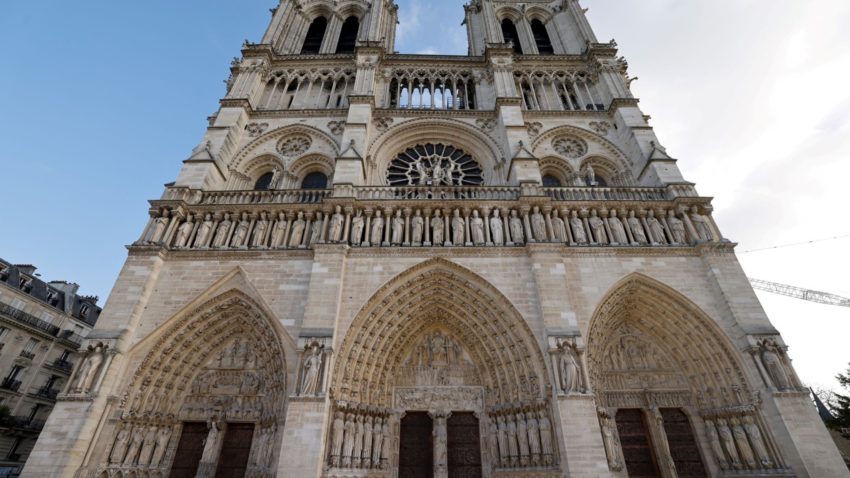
<point x="348" y="36"/>
<point x="15" y="373"/>
<point x="315" y="35"/>
<point x="29" y="348"/>
<point x="541" y="38"/>
<point x="432" y="164"/>
<point x="511" y="36"/>
<point x="550" y="181"/>
<point x="64" y="357"/>
<point x="315" y="181"/>
<point x="264" y="183"/>
<point x="3" y="332"/>
<point x="13" y="451"/>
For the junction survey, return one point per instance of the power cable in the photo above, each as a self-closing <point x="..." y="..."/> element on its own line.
<point x="782" y="246"/>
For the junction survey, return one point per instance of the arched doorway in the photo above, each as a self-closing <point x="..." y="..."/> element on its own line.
<point x="439" y="348"/>
<point x="208" y="396"/>
<point x="673" y="397"/>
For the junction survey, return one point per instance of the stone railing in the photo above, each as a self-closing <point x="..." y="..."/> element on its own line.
<point x="487" y="193"/>
<point x="428" y="87"/>
<point x="288" y="196"/>
<point x="433" y="217"/>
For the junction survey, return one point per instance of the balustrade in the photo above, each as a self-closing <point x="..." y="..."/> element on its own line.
<point x="308" y="89"/>
<point x="558" y="91"/>
<point x="430" y="88"/>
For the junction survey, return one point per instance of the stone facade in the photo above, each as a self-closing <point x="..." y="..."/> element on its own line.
<point x="42" y="326"/>
<point x="386" y="265"/>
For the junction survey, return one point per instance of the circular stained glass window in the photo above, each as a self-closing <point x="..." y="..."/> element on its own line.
<point x="434" y="165"/>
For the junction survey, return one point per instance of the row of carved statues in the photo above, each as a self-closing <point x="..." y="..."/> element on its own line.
<point x="738" y="444"/>
<point x="360" y="438"/>
<point x="141" y="445"/>
<point x="521" y="438"/>
<point x="735" y="438"/>
<point x="415" y="227"/>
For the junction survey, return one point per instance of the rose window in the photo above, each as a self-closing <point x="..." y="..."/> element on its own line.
<point x="570" y="147"/>
<point x="294" y="145"/>
<point x="434" y="165"/>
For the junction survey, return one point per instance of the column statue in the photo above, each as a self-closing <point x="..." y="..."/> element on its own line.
<point x="656" y="229"/>
<point x="716" y="447"/>
<point x="348" y="441"/>
<point x="138" y="437"/>
<point x="577" y="226"/>
<point x="611" y="440"/>
<point x="312" y="371"/>
<point x="338" y="434"/>
<point x="366" y="454"/>
<point x="184" y="231"/>
<point x="728" y="442"/>
<point x="160" y="224"/>
<point x="533" y="438"/>
<point x="258" y="237"/>
<point x="504" y="449"/>
<point x="746" y="452"/>
<point x="221" y="232"/>
<point x="547" y="448"/>
<point x="148" y="446"/>
<point x="637" y="229"/>
<point x="377" y="442"/>
<point x="88" y="372"/>
<point x="316" y="230"/>
<point x="597" y="228"/>
<point x="522" y="440"/>
<point x="497" y="230"/>
<point x="559" y="228"/>
<point x="357" y="226"/>
<point x="437" y="226"/>
<point x="241" y="233"/>
<point x="376" y="235"/>
<point x="297" y="232"/>
<point x="337" y="224"/>
<point x="538" y="225"/>
<point x="513" y="445"/>
<point x="677" y="228"/>
<point x="397" y="229"/>
<point x="757" y="441"/>
<point x="476" y="225"/>
<point x="122" y="441"/>
<point x="701" y="225"/>
<point x="517" y="232"/>
<point x="457" y="229"/>
<point x="441" y="440"/>
<point x="773" y="365"/>
<point x="417" y="228"/>
<point x="386" y="445"/>
<point x="618" y="232"/>
<point x="163" y="436"/>
<point x="204" y="230"/>
<point x="357" y="453"/>
<point x="570" y="372"/>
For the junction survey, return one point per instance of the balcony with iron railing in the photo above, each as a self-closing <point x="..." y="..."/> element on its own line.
<point x="47" y="392"/>
<point x="27" y="319"/>
<point x="63" y="365"/>
<point x="10" y="384"/>
<point x="27" y="355"/>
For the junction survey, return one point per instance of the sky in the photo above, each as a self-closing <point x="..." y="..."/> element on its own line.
<point x="100" y="101"/>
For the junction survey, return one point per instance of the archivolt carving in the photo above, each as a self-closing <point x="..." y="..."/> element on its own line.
<point x="222" y="362"/>
<point x="646" y="336"/>
<point x="439" y="296"/>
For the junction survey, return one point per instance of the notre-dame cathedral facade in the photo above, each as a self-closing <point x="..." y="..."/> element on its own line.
<point x="386" y="265"/>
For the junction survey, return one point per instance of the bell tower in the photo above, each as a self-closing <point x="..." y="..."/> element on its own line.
<point x="532" y="28"/>
<point x="330" y="27"/>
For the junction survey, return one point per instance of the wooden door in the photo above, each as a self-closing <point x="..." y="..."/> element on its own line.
<point x="683" y="445"/>
<point x="233" y="459"/>
<point x="416" y="450"/>
<point x="190" y="449"/>
<point x="464" y="446"/>
<point x="637" y="444"/>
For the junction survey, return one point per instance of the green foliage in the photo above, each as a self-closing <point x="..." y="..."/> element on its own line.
<point x="841" y="406"/>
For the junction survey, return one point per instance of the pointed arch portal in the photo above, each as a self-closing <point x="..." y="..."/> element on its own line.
<point x="207" y="398"/>
<point x="663" y="370"/>
<point x="441" y="340"/>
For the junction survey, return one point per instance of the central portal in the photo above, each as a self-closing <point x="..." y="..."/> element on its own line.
<point x="464" y="455"/>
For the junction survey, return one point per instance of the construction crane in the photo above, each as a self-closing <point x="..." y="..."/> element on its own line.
<point x="800" y="293"/>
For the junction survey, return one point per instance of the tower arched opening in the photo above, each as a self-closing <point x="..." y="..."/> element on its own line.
<point x="315" y="36"/>
<point x="348" y="36"/>
<point x="510" y="35"/>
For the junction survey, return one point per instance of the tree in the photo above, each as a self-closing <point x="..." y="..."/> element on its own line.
<point x="840" y="405"/>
